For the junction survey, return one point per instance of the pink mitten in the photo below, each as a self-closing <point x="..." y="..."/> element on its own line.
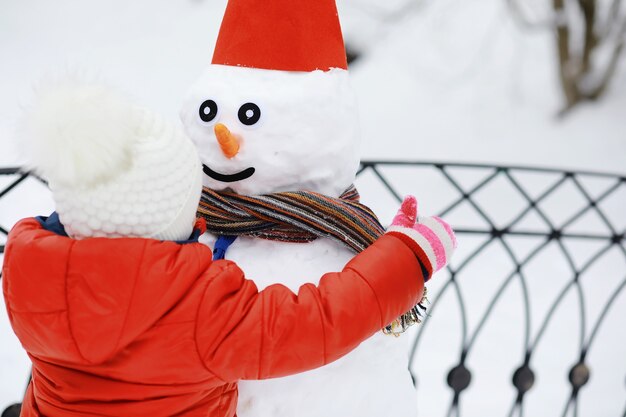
<point x="431" y="238"/>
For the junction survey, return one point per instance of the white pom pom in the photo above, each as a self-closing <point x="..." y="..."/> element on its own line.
<point x="79" y="134"/>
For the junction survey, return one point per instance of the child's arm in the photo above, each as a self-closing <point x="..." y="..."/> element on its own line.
<point x="246" y="334"/>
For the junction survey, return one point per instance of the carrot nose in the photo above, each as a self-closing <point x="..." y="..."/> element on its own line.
<point x="227" y="141"/>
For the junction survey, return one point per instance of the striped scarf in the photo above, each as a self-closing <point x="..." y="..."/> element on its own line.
<point x="298" y="216"/>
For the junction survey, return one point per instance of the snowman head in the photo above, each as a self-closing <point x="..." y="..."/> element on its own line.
<point x="275" y="110"/>
<point x="260" y="131"/>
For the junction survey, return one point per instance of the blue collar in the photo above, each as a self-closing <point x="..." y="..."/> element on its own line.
<point x="195" y="235"/>
<point x="221" y="246"/>
<point x="53" y="224"/>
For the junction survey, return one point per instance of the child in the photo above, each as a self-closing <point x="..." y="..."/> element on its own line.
<point x="123" y="313"/>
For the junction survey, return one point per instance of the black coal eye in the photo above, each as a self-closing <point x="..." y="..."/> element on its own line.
<point x="208" y="111"/>
<point x="249" y="114"/>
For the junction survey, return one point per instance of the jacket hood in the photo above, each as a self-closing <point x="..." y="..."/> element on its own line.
<point x="91" y="288"/>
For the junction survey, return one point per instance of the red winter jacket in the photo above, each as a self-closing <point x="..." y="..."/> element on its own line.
<point x="140" y="327"/>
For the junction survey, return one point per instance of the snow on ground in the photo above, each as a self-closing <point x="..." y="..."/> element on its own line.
<point x="450" y="80"/>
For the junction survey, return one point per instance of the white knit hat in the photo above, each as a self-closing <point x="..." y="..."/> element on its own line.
<point x="115" y="170"/>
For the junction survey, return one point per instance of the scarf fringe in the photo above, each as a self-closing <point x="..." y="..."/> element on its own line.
<point x="412" y="317"/>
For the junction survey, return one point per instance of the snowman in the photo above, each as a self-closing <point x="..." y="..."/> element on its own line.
<point x="275" y="113"/>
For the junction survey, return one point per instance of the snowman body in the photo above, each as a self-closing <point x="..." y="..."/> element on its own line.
<point x="371" y="381"/>
<point x="295" y="131"/>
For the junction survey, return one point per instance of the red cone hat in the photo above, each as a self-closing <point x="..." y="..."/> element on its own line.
<point x="285" y="35"/>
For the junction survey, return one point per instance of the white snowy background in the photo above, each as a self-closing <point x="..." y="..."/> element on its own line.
<point x="446" y="80"/>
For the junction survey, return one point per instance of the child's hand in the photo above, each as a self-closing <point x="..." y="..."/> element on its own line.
<point x="432" y="235"/>
<point x="407" y="214"/>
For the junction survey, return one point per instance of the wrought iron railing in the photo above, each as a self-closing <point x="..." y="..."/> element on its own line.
<point x="558" y="239"/>
<point x="600" y="195"/>
<point x="7" y="189"/>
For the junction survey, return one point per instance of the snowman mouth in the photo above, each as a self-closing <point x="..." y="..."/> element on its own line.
<point x="238" y="176"/>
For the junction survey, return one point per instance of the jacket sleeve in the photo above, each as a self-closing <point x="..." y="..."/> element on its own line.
<point x="242" y="333"/>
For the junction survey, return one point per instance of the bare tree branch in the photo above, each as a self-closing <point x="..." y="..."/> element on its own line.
<point x="580" y="80"/>
<point x="568" y="83"/>
<point x="612" y="66"/>
<point x="588" y="8"/>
